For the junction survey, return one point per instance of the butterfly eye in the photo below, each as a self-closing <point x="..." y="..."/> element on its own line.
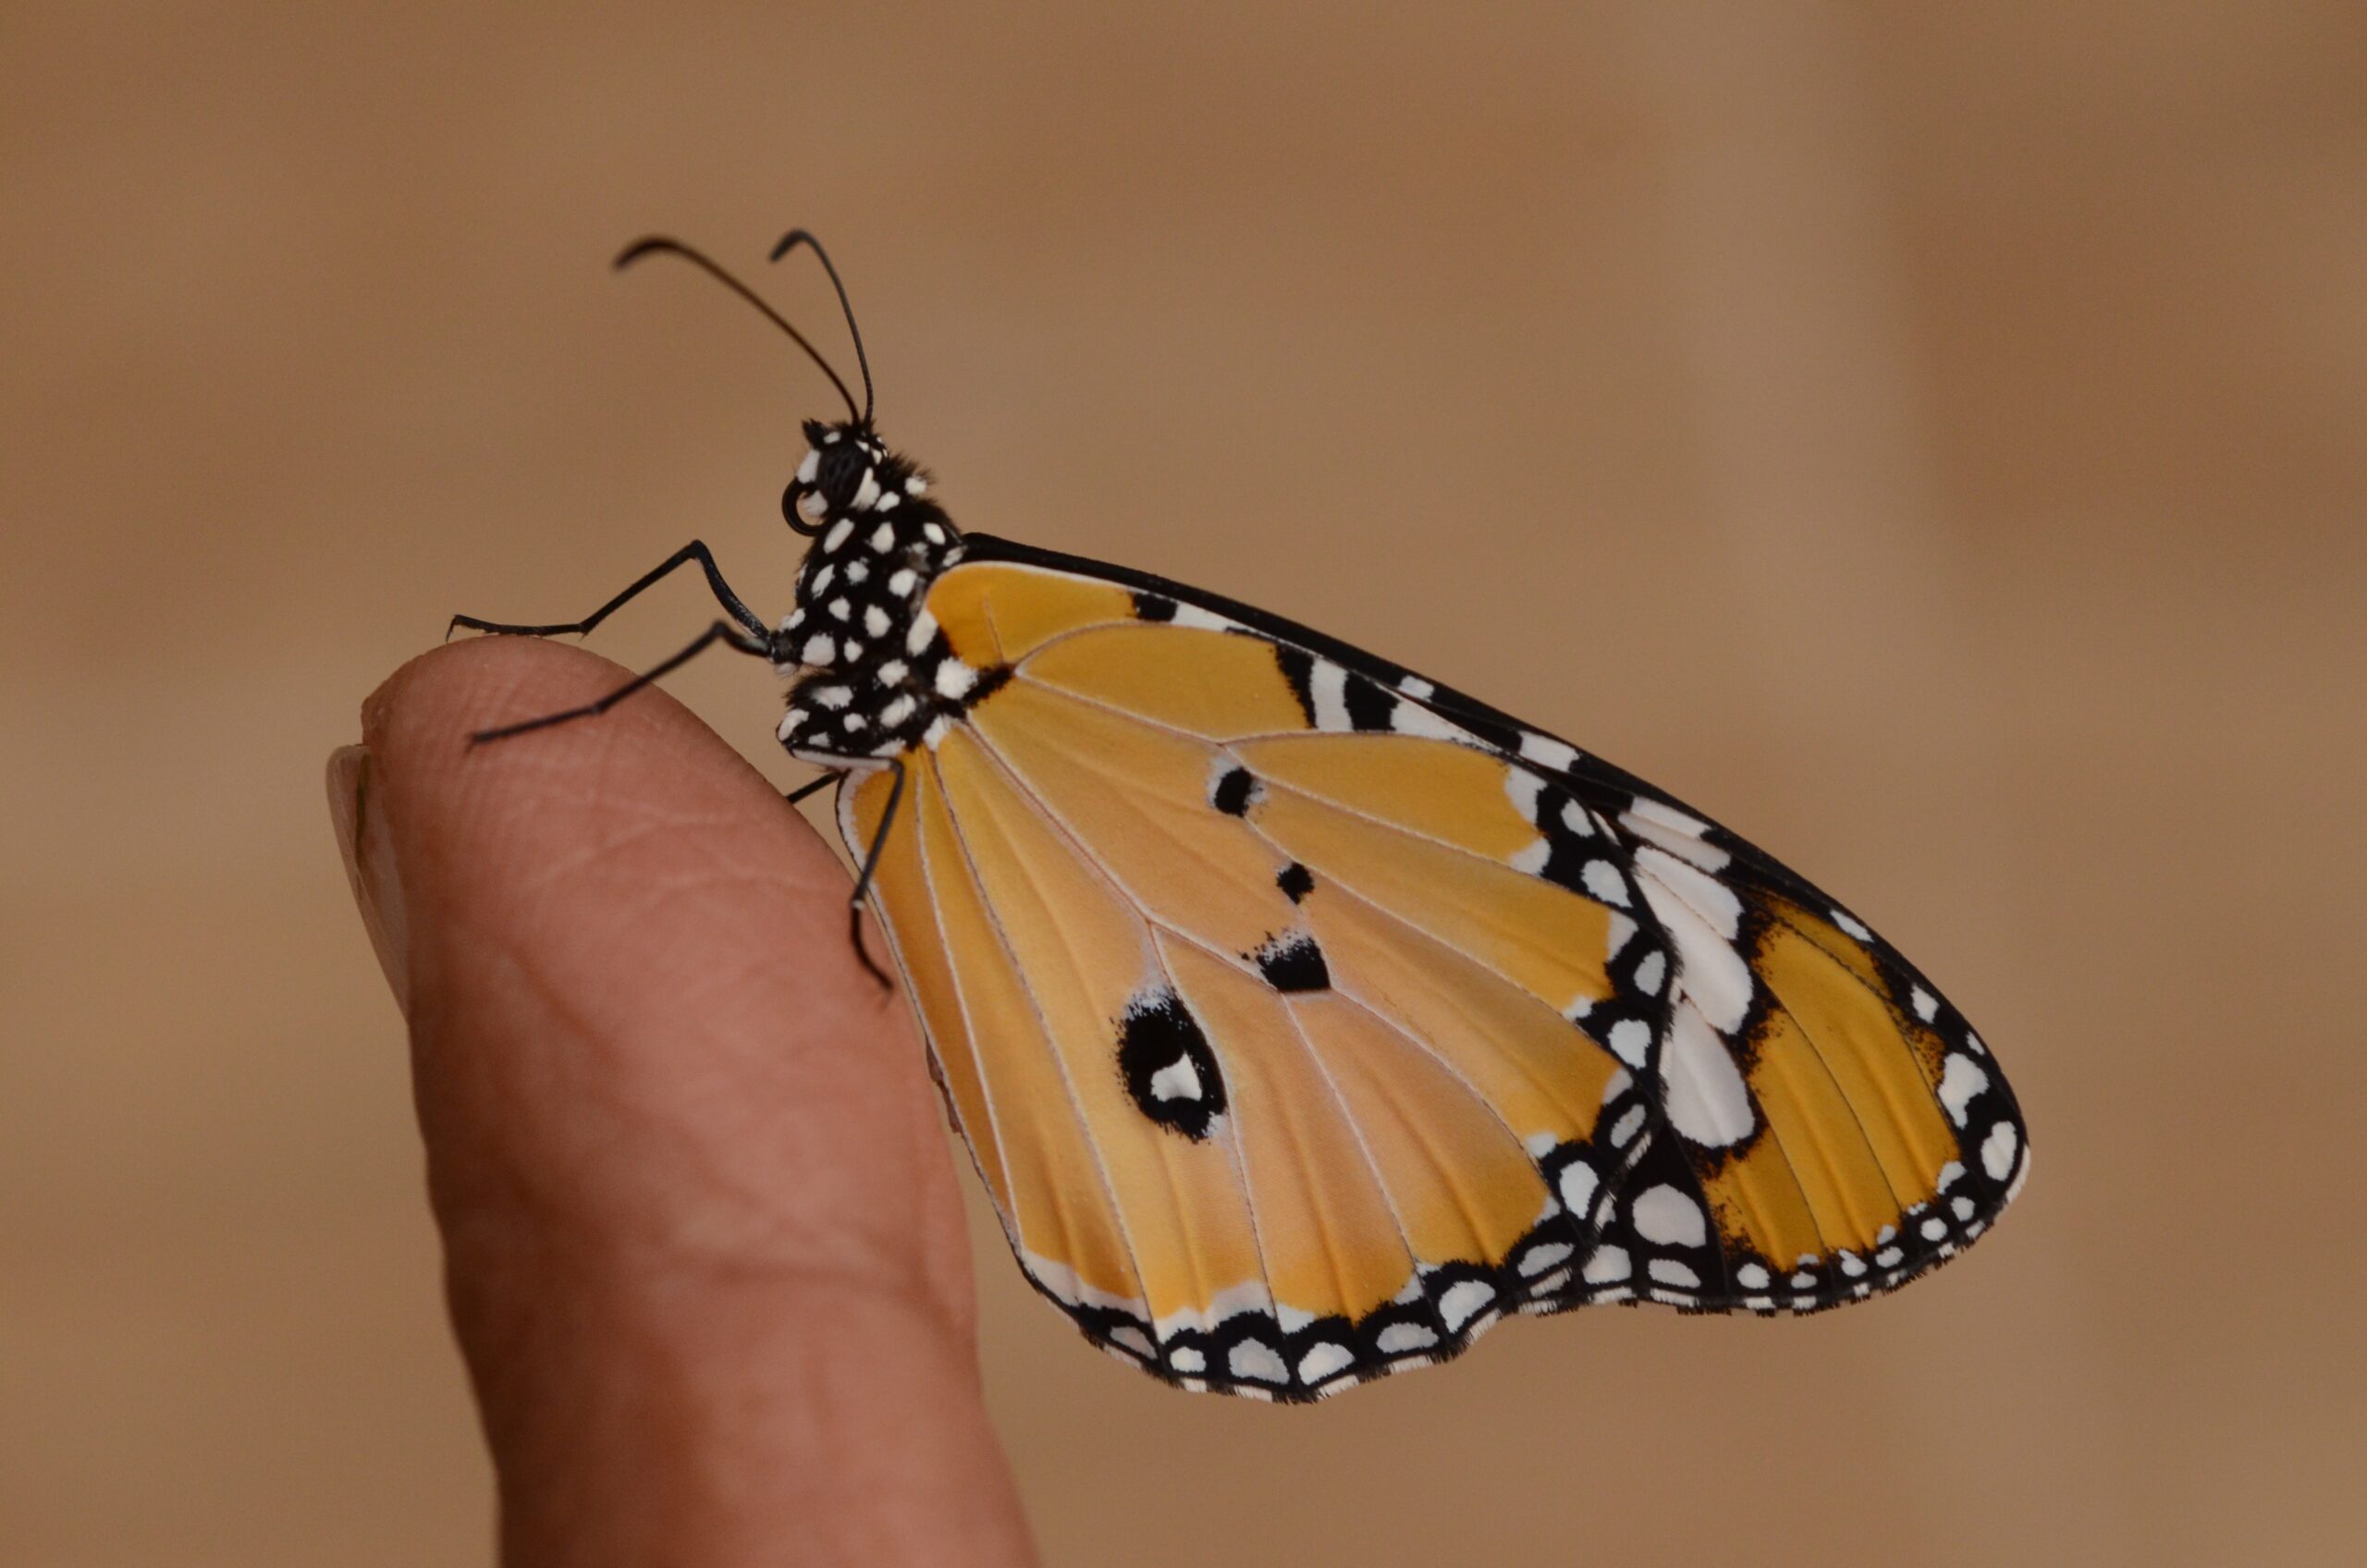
<point x="843" y="466"/>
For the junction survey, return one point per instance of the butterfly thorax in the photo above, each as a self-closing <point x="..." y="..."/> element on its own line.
<point x="872" y="671"/>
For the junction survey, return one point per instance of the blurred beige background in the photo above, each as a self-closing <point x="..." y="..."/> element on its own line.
<point x="1928" y="437"/>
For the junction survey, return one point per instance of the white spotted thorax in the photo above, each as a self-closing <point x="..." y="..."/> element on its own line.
<point x="872" y="672"/>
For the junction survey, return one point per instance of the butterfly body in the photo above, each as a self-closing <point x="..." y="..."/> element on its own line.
<point x="1304" y="1016"/>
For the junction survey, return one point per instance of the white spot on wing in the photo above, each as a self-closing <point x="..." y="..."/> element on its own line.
<point x="1179" y="1079"/>
<point x="1707" y="1100"/>
<point x="1329" y="686"/>
<point x="1710" y="900"/>
<point x="1646" y="810"/>
<point x="1412" y="718"/>
<point x="1522" y="787"/>
<point x="1666" y="1216"/>
<point x="1465" y="1301"/>
<point x="1631" y="1038"/>
<point x="1603" y="881"/>
<point x="1622" y="931"/>
<point x="1322" y="1360"/>
<point x="1256" y="1360"/>
<point x="1713" y="973"/>
<point x="1537" y="1259"/>
<point x="954" y="679"/>
<point x="1997" y="1150"/>
<point x="1557" y="754"/>
<point x="1206" y="620"/>
<point x="1961" y="1080"/>
<point x="1623" y="1132"/>
<point x="1674" y="832"/>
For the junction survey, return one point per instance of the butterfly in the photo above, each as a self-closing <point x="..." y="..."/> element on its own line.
<point x="1304" y="1016"/>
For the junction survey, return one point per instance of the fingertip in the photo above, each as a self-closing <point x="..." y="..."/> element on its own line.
<point x="682" y="1148"/>
<point x="632" y="988"/>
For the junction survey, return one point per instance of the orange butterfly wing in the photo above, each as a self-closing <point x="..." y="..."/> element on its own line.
<point x="1301" y="1025"/>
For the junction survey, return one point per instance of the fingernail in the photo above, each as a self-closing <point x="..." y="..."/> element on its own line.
<point x="369" y="865"/>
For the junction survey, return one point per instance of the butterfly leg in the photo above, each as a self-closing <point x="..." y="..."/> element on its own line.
<point x="721" y="631"/>
<point x="695" y="550"/>
<point x="812" y="786"/>
<point x="870" y="865"/>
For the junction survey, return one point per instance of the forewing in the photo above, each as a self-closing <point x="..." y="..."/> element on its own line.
<point x="1824" y="1123"/>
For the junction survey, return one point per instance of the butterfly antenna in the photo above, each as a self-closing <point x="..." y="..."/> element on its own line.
<point x="658" y="243"/>
<point x="791" y="241"/>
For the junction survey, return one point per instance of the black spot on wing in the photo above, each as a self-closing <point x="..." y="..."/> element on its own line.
<point x="990" y="680"/>
<point x="1370" y="708"/>
<point x="1234" y="791"/>
<point x="1170" y="1072"/>
<point x="1292" y="962"/>
<point x="1153" y="607"/>
<point x="1295" y="881"/>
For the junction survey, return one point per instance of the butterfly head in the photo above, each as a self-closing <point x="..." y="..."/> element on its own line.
<point x="848" y="473"/>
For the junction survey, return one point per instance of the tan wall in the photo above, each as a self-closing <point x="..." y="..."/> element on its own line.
<point x="1929" y="437"/>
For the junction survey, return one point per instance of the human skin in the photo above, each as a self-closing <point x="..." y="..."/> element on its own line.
<point x="703" y="1250"/>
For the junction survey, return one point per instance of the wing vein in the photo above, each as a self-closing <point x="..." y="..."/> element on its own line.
<point x="1077" y="1106"/>
<point x="962" y="995"/>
